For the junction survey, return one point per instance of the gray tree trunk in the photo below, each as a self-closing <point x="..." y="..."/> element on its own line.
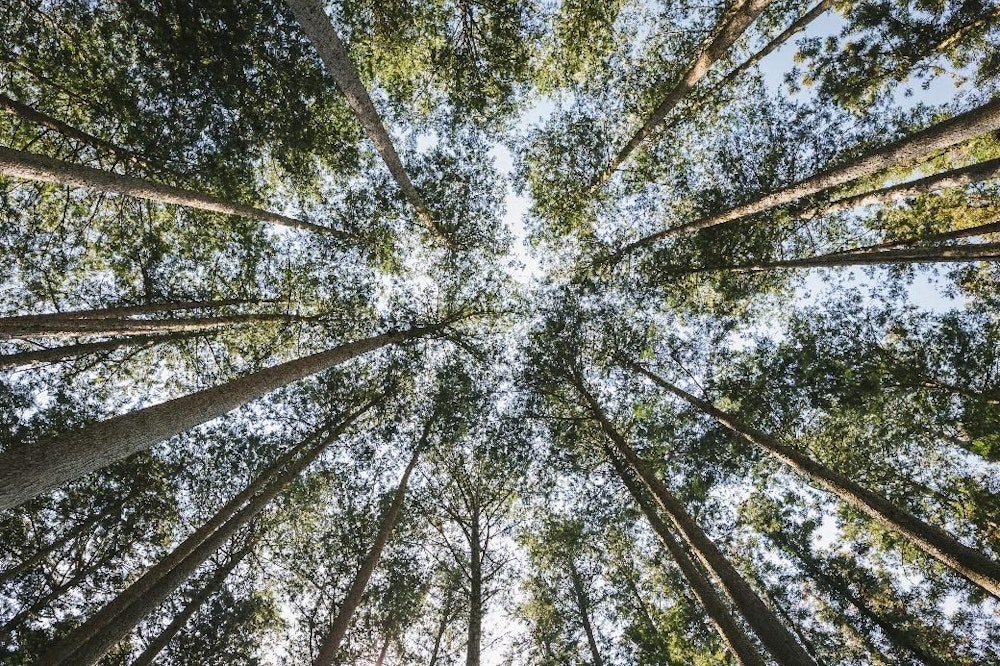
<point x="62" y="329"/>
<point x="27" y="471"/>
<point x="40" y="168"/>
<point x="583" y="607"/>
<point x="120" y="311"/>
<point x="53" y="354"/>
<point x="474" y="647"/>
<point x="968" y="562"/>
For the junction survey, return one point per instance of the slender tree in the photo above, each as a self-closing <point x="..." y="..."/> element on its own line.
<point x="76" y="327"/>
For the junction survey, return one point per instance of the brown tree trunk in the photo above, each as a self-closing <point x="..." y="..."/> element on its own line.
<point x="733" y="26"/>
<point x="53" y="354"/>
<point x="74" y="328"/>
<point x="88" y="644"/>
<point x="771" y="632"/>
<point x="28" y="471"/>
<point x="583" y="607"/>
<point x="120" y="311"/>
<point x="338" y="628"/>
<point x="963" y="127"/>
<point x="316" y="25"/>
<point x="474" y="646"/>
<point x="383" y="652"/>
<point x="156" y="645"/>
<point x="733" y="635"/>
<point x="40" y="168"/>
<point x="446" y="615"/>
<point x="933" y="541"/>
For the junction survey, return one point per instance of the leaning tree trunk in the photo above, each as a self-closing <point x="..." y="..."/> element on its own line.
<point x="733" y="635"/>
<point x="338" y="628"/>
<point x="771" y="632"/>
<point x="312" y="17"/>
<point x="968" y="125"/>
<point x="88" y="644"/>
<point x="933" y="541"/>
<point x="120" y="311"/>
<point x="583" y="607"/>
<point x="75" y="328"/>
<point x="27" y="471"/>
<point x="474" y="646"/>
<point x="63" y="352"/>
<point x="733" y="26"/>
<point x="40" y="168"/>
<point x="163" y="638"/>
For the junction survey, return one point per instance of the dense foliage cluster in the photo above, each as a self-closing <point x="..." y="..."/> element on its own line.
<point x="512" y="332"/>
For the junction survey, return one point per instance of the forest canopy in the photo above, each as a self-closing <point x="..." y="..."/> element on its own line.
<point x="517" y="332"/>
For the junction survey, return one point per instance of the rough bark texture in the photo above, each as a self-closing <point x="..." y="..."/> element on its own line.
<point x="156" y="645"/>
<point x="88" y="644"/>
<point x="79" y="327"/>
<point x="772" y="633"/>
<point x="733" y="26"/>
<point x="116" y="312"/>
<point x="935" y="542"/>
<point x="740" y="645"/>
<point x="316" y="25"/>
<point x="27" y="471"/>
<point x="474" y="646"/>
<point x="40" y="168"/>
<point x="338" y="628"/>
<point x="583" y="607"/>
<point x="963" y="127"/>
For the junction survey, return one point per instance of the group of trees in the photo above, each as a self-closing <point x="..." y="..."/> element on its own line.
<point x="274" y="389"/>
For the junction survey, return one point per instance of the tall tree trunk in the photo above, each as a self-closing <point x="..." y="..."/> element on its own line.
<point x="965" y="126"/>
<point x="120" y="311"/>
<point x="771" y="632"/>
<point x="968" y="232"/>
<point x="44" y="120"/>
<point x="583" y="607"/>
<point x="40" y="168"/>
<point x="933" y="541"/>
<point x="740" y="645"/>
<point x="27" y="471"/>
<point x="733" y="26"/>
<point x="74" y="328"/>
<point x="474" y="646"/>
<point x="383" y="652"/>
<point x="88" y="644"/>
<point x="62" y="352"/>
<point x="156" y="645"/>
<point x="316" y="25"/>
<point x="446" y="615"/>
<point x="338" y="628"/>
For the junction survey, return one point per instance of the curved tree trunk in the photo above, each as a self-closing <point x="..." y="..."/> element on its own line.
<point x="968" y="562"/>
<point x="315" y="23"/>
<point x="965" y="126"/>
<point x="88" y="644"/>
<point x="733" y="26"/>
<point x="733" y="635"/>
<point x="39" y="168"/>
<point x="771" y="632"/>
<point x="27" y="471"/>
<point x="338" y="628"/>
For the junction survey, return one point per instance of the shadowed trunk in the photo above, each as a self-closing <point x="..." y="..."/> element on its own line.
<point x="933" y="541"/>
<point x="115" y="312"/>
<point x="40" y="168"/>
<point x="474" y="647"/>
<point x="53" y="354"/>
<point x="27" y="471"/>
<point x="74" y="328"/>
<point x="965" y="126"/>
<point x="583" y="607"/>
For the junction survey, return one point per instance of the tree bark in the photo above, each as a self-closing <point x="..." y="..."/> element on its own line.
<point x="317" y="26"/>
<point x="446" y="613"/>
<point x="968" y="562"/>
<point x="88" y="644"/>
<point x="474" y="646"/>
<point x="40" y="168"/>
<point x="27" y="471"/>
<point x="62" y="352"/>
<point x="733" y="26"/>
<point x="162" y="639"/>
<point x="965" y="126"/>
<point x="740" y="645"/>
<point x="75" y="328"/>
<point x="771" y="632"/>
<point x="383" y="652"/>
<point x="338" y="628"/>
<point x="120" y="311"/>
<point x="583" y="607"/>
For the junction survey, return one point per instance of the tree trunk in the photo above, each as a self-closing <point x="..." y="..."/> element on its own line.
<point x="446" y="613"/>
<point x="74" y="328"/>
<point x="34" y="116"/>
<point x="27" y="471"/>
<point x="120" y="311"/>
<point x="316" y="25"/>
<point x="963" y="127"/>
<point x="740" y="645"/>
<point x="474" y="647"/>
<point x="156" y="645"/>
<point x="88" y="644"/>
<point x="583" y="607"/>
<point x="733" y="26"/>
<point x="40" y="168"/>
<point x="383" y="652"/>
<point x="771" y="632"/>
<point x="53" y="354"/>
<point x="933" y="541"/>
<point x="338" y="628"/>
